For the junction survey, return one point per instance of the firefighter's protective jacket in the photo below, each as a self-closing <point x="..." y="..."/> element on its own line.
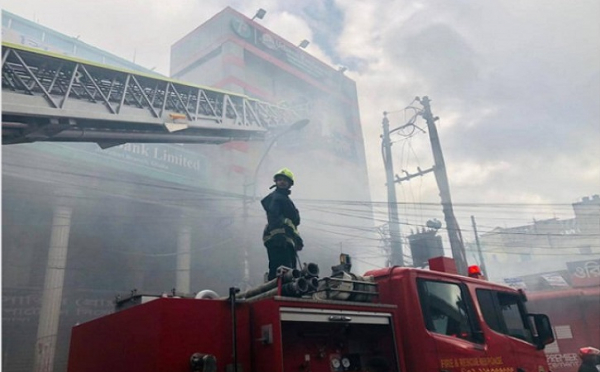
<point x="283" y="218"/>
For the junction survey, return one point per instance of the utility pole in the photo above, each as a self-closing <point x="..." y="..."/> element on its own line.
<point x="439" y="169"/>
<point x="481" y="261"/>
<point x="396" y="257"/>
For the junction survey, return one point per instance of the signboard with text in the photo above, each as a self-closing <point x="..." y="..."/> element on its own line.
<point x="584" y="273"/>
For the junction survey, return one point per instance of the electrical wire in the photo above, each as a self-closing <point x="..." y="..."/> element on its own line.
<point x="337" y="208"/>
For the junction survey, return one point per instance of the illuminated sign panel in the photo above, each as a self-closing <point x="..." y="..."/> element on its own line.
<point x="279" y="48"/>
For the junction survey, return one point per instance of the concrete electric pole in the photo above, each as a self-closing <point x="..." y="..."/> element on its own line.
<point x="481" y="261"/>
<point x="439" y="169"/>
<point x="397" y="256"/>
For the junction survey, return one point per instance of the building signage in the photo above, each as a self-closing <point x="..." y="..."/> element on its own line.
<point x="584" y="273"/>
<point x="279" y="48"/>
<point x="22" y="306"/>
<point x="171" y="163"/>
<point x="516" y="283"/>
<point x="555" y="280"/>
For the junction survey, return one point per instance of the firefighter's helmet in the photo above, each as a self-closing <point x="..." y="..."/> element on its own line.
<point x="285" y="173"/>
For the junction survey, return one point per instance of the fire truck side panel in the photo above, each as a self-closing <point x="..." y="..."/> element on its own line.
<point x="414" y="342"/>
<point x="160" y="335"/>
<point x="525" y="354"/>
<point x="107" y="343"/>
<point x="321" y="337"/>
<point x="266" y="337"/>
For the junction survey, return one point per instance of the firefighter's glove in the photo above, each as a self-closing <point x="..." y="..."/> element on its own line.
<point x="298" y="243"/>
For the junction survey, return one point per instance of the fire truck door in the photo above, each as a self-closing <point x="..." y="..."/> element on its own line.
<point x="519" y="333"/>
<point x="452" y="324"/>
<point x="508" y="332"/>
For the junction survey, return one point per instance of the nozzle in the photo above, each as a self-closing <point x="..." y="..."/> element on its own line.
<point x="310" y="270"/>
<point x="295" y="288"/>
<point x="313" y="284"/>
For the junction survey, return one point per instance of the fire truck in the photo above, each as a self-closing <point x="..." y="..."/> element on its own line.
<point x="390" y="319"/>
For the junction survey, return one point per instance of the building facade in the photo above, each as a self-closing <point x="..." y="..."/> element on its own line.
<point x="509" y="252"/>
<point x="234" y="53"/>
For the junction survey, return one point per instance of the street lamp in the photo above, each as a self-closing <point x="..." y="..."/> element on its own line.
<point x="260" y="13"/>
<point x="294" y="127"/>
<point x="303" y="44"/>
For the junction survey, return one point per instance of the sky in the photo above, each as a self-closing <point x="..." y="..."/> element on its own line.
<point x="516" y="85"/>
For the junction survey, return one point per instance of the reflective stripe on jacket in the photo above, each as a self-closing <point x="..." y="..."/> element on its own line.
<point x="282" y="217"/>
<point x="289" y="231"/>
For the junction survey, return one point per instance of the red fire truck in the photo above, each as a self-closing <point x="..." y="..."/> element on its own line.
<point x="390" y="319"/>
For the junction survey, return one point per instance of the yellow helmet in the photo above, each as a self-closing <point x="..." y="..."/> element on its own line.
<point x="285" y="173"/>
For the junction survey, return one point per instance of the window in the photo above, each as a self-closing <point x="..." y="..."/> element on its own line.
<point x="504" y="313"/>
<point x="488" y="308"/>
<point x="445" y="309"/>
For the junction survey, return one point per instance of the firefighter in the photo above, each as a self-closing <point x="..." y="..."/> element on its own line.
<point x="590" y="358"/>
<point x="280" y="236"/>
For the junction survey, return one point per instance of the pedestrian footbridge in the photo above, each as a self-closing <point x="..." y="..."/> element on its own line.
<point x="51" y="97"/>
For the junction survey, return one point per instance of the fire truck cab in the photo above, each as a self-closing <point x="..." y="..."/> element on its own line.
<point x="448" y="322"/>
<point x="391" y="319"/>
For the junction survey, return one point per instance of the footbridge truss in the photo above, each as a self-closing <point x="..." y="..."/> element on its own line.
<point x="51" y="97"/>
